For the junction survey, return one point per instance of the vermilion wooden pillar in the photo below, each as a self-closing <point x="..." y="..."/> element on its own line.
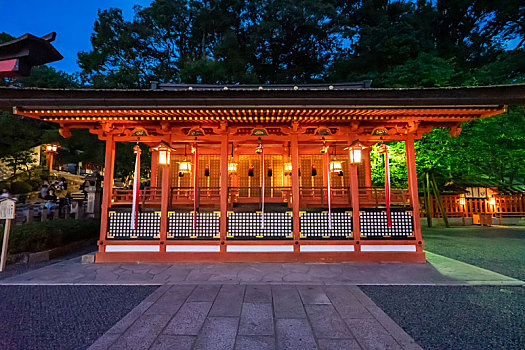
<point x="368" y="168"/>
<point x="164" y="205"/>
<point x="354" y="190"/>
<point x="412" y="188"/>
<point x="154" y="167"/>
<point x="295" y="189"/>
<point x="107" y="190"/>
<point x="224" y="190"/>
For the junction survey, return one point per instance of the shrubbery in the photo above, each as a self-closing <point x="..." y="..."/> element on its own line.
<point x="50" y="234"/>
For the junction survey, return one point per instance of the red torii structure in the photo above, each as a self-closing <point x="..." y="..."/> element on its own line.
<point x="226" y="124"/>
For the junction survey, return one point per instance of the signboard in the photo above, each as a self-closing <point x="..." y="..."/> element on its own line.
<point x="7" y="209"/>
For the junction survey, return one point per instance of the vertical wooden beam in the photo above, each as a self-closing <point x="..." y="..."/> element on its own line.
<point x="368" y="167"/>
<point x="354" y="190"/>
<point x="412" y="188"/>
<point x="164" y="206"/>
<point x="109" y="165"/>
<point x="224" y="190"/>
<point x="295" y="189"/>
<point x="154" y="168"/>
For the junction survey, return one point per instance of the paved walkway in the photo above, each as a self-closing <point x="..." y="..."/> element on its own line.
<point x="437" y="271"/>
<point x="220" y="317"/>
<point x="259" y="305"/>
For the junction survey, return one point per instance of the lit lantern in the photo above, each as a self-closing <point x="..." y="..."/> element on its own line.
<point x="462" y="200"/>
<point x="232" y="168"/>
<point x="492" y="201"/>
<point x="184" y="168"/>
<point x="355" y="152"/>
<point x="164" y="154"/>
<point x="287" y="168"/>
<point x="336" y="166"/>
<point x="51" y="148"/>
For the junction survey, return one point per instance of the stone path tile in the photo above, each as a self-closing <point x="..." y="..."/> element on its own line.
<point x="371" y="335"/>
<point x="189" y="319"/>
<point x="256" y="319"/>
<point x="173" y="342"/>
<point x="313" y="295"/>
<point x="228" y="301"/>
<point x="293" y="334"/>
<point x="218" y="333"/>
<point x="205" y="292"/>
<point x="142" y="333"/>
<point x="287" y="302"/>
<point x="346" y="302"/>
<point x="256" y="342"/>
<point x="258" y="294"/>
<point x="338" y="344"/>
<point x="326" y="322"/>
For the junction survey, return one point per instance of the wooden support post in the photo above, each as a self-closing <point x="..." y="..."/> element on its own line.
<point x="368" y="167"/>
<point x="154" y="168"/>
<point x="50" y="161"/>
<point x="164" y="205"/>
<point x="412" y="188"/>
<point x="108" y="188"/>
<point x="295" y="190"/>
<point x="3" y="258"/>
<point x="224" y="190"/>
<point x="354" y="189"/>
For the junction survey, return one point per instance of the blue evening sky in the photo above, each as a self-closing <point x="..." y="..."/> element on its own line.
<point x="72" y="20"/>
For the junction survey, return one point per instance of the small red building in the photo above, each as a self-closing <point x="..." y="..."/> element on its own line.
<point x="261" y="173"/>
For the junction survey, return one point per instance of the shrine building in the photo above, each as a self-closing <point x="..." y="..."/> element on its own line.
<point x="264" y="173"/>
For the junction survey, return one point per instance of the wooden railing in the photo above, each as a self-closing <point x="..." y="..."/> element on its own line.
<point x="500" y="205"/>
<point x="318" y="196"/>
<point x="148" y="196"/>
<point x="374" y="197"/>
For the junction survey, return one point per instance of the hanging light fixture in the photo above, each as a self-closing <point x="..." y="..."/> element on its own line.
<point x="232" y="166"/>
<point x="185" y="166"/>
<point x="355" y="150"/>
<point x="336" y="166"/>
<point x="324" y="149"/>
<point x="288" y="164"/>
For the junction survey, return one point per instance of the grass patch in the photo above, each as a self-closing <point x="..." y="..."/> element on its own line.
<point x="498" y="249"/>
<point x="444" y="317"/>
<point x="50" y="234"/>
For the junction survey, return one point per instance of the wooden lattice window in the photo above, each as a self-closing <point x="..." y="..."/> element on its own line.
<point x="307" y="163"/>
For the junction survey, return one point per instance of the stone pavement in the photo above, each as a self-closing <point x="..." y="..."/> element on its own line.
<point x="251" y="317"/>
<point x="437" y="271"/>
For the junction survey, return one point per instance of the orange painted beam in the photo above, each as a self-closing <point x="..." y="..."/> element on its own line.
<point x="107" y="189"/>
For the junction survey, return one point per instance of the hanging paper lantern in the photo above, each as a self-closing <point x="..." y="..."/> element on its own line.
<point x="184" y="167"/>
<point x="314" y="171"/>
<point x="270" y="172"/>
<point x="250" y="171"/>
<point x="232" y="168"/>
<point x="287" y="168"/>
<point x="206" y="172"/>
<point x="336" y="166"/>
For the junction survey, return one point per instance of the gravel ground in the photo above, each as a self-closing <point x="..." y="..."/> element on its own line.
<point x="440" y="317"/>
<point x="498" y="249"/>
<point x="62" y="317"/>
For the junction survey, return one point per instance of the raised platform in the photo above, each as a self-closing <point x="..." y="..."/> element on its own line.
<point x="257" y="251"/>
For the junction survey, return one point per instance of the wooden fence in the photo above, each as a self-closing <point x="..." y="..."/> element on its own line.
<point x="498" y="205"/>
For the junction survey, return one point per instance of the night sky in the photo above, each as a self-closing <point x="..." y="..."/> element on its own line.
<point x="72" y="20"/>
